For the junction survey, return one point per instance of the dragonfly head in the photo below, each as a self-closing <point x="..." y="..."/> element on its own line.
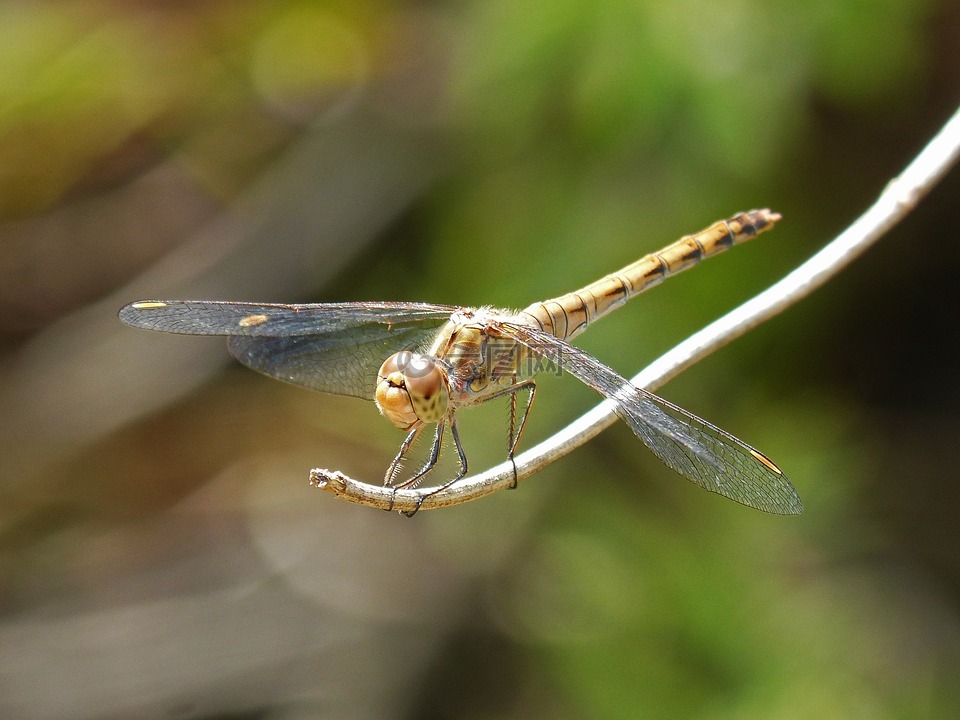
<point x="411" y="388"/>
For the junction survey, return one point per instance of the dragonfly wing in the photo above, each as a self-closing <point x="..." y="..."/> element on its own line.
<point x="331" y="347"/>
<point x="712" y="458"/>
<point x="207" y="317"/>
<point x="331" y="363"/>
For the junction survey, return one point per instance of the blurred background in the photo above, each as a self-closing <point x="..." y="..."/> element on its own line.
<point x="161" y="553"/>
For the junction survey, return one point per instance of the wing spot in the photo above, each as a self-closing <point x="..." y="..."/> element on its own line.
<point x="252" y="320"/>
<point x="148" y="305"/>
<point x="764" y="460"/>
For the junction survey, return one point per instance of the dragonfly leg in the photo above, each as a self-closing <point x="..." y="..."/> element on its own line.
<point x="516" y="429"/>
<point x="463" y="470"/>
<point x="394" y="468"/>
<point x="431" y="461"/>
<point x="513" y="440"/>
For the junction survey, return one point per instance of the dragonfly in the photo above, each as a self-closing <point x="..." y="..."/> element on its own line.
<point x="423" y="363"/>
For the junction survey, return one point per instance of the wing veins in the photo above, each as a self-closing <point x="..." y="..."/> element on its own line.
<point x="331" y="347"/>
<point x="207" y="317"/>
<point x="694" y="448"/>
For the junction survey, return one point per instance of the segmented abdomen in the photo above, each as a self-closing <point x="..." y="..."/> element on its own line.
<point x="569" y="315"/>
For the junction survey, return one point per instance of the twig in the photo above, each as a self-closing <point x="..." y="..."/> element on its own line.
<point x="899" y="197"/>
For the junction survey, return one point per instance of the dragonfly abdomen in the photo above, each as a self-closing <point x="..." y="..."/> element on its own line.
<point x="569" y="315"/>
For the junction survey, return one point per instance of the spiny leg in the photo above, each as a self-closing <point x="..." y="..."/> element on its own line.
<point x="511" y="444"/>
<point x="516" y="431"/>
<point x="431" y="461"/>
<point x="463" y="470"/>
<point x="394" y="467"/>
<point x="513" y="440"/>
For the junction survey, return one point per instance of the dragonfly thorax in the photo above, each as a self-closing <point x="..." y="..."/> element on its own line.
<point x="411" y="388"/>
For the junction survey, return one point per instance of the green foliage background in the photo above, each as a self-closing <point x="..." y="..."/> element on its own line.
<point x="160" y="551"/>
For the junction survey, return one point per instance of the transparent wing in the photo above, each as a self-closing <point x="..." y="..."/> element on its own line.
<point x="331" y="347"/>
<point x="341" y="364"/>
<point x="209" y="317"/>
<point x="701" y="452"/>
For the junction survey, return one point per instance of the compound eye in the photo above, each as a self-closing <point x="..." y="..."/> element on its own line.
<point x="425" y="383"/>
<point x="390" y="366"/>
<point x="392" y="397"/>
<point x="414" y="365"/>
